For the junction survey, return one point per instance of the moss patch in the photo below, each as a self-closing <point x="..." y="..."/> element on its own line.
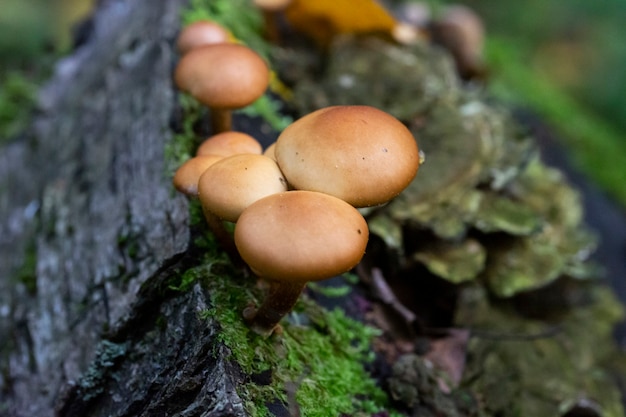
<point x="17" y="100"/>
<point x="317" y="364"/>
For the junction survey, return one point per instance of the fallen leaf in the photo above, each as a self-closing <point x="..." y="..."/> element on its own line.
<point x="322" y="20"/>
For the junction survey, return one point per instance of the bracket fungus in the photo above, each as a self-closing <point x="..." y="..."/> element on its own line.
<point x="223" y="77"/>
<point x="359" y="154"/>
<point x="294" y="237"/>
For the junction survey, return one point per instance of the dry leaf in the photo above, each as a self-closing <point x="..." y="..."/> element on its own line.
<point x="324" y="19"/>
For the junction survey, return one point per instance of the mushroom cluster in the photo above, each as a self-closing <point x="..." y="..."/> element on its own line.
<point x="295" y="214"/>
<point x="294" y="206"/>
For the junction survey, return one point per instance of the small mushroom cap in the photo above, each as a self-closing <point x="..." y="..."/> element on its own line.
<point x="301" y="236"/>
<point x="460" y="30"/>
<point x="270" y="151"/>
<point x="357" y="153"/>
<point x="223" y="76"/>
<point x="188" y="174"/>
<point x="202" y="32"/>
<point x="271" y="5"/>
<point x="229" y="143"/>
<point x="235" y="182"/>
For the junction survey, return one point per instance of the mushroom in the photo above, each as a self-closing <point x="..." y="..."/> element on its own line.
<point x="269" y="151"/>
<point x="229" y="143"/>
<point x="186" y="181"/>
<point x="461" y="31"/>
<point x="230" y="185"/>
<point x="223" y="77"/>
<point x="187" y="175"/>
<point x="291" y="238"/>
<point x="200" y="33"/>
<point x="270" y="10"/>
<point x="357" y="153"/>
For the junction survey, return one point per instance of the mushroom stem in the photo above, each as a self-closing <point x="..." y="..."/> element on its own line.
<point x="281" y="298"/>
<point x="223" y="237"/>
<point x="221" y="120"/>
<point x="271" y="26"/>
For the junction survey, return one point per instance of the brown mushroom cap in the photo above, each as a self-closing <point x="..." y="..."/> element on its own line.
<point x="229" y="143"/>
<point x="357" y="153"/>
<point x="460" y="30"/>
<point x="223" y="76"/>
<point x="301" y="236"/>
<point x="202" y="32"/>
<point x="235" y="182"/>
<point x="188" y="174"/>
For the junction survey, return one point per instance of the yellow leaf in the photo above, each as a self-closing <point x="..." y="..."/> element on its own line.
<point x="324" y="19"/>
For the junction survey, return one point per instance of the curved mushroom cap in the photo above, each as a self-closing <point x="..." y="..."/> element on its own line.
<point x="269" y="151"/>
<point x="224" y="76"/>
<point x="301" y="236"/>
<point x="202" y="32"/>
<point x="460" y="30"/>
<point x="271" y="5"/>
<point x="188" y="174"/>
<point x="229" y="143"/>
<point x="235" y="182"/>
<point x="357" y="153"/>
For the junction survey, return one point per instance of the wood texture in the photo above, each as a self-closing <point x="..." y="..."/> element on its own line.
<point x="91" y="228"/>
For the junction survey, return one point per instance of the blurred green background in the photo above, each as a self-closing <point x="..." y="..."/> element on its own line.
<point x="579" y="45"/>
<point x="33" y="33"/>
<point x="564" y="59"/>
<point x="567" y="61"/>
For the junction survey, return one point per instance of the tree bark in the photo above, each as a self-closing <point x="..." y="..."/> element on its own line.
<point x="90" y="231"/>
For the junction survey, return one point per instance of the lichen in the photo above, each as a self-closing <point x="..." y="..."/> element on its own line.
<point x="108" y="353"/>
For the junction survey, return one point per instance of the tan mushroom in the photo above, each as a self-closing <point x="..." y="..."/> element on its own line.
<point x="230" y="185"/>
<point x="186" y="180"/>
<point x="223" y="77"/>
<point x="357" y="153"/>
<point x="200" y="33"/>
<point x="269" y="151"/>
<point x="294" y="237"/>
<point x="187" y="175"/>
<point x="229" y="143"/>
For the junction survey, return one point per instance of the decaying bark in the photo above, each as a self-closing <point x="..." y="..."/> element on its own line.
<point x="90" y="229"/>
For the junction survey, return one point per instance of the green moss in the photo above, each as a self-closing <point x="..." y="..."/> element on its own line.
<point x="17" y="100"/>
<point x="27" y="272"/>
<point x="268" y="109"/>
<point x="318" y="360"/>
<point x="183" y="144"/>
